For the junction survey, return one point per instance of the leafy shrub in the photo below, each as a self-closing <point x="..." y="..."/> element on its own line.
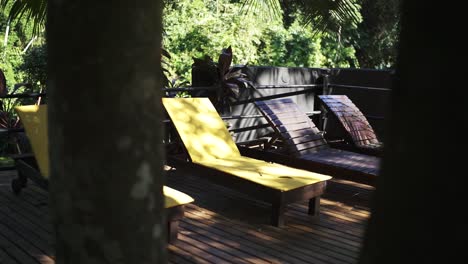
<point x="34" y="67"/>
<point x="195" y="28"/>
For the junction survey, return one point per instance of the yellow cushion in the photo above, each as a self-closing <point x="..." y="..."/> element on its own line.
<point x="209" y="143"/>
<point x="34" y="119"/>
<point x="175" y="198"/>
<point x="273" y="175"/>
<point x="203" y="132"/>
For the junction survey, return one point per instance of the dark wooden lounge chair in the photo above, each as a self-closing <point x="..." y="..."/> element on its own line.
<point x="360" y="134"/>
<point x="36" y="167"/>
<point x="303" y="146"/>
<point x="212" y="153"/>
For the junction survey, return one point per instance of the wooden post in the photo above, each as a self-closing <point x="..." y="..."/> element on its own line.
<point x="327" y="89"/>
<point x="277" y="212"/>
<point x="314" y="206"/>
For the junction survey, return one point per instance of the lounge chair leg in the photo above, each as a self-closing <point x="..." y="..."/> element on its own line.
<point x="314" y="206"/>
<point x="172" y="230"/>
<point x="277" y="215"/>
<point x="19" y="183"/>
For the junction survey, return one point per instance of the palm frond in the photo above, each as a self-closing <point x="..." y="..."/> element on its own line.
<point x="323" y="15"/>
<point x="35" y="10"/>
<point x="270" y="7"/>
<point x="329" y="15"/>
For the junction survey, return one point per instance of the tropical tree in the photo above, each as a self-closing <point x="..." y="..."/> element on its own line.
<point x="375" y="39"/>
<point x="324" y="15"/>
<point x="36" y="10"/>
<point x="371" y="30"/>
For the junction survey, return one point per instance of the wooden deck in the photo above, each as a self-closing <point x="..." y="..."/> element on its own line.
<point x="222" y="226"/>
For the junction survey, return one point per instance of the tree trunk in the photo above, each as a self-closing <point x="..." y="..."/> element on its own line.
<point x="407" y="201"/>
<point x="105" y="131"/>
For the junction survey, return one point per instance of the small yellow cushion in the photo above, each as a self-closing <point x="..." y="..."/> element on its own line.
<point x="273" y="175"/>
<point x="209" y="143"/>
<point x="175" y="198"/>
<point x="34" y="119"/>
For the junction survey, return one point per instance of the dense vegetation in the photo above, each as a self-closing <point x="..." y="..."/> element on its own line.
<point x="23" y="63"/>
<point x="22" y="53"/>
<point x="195" y="28"/>
<point x="199" y="27"/>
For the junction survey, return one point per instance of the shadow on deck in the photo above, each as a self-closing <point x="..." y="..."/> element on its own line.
<point x="222" y="226"/>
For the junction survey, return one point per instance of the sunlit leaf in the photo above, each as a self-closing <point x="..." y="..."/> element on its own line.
<point x="322" y="15"/>
<point x="34" y="10"/>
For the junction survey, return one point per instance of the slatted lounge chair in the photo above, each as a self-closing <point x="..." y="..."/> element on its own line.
<point x="36" y="168"/>
<point x="359" y="133"/>
<point x="214" y="155"/>
<point x="305" y="147"/>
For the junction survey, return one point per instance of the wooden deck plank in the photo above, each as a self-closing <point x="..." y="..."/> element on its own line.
<point x="176" y="259"/>
<point x="304" y="214"/>
<point x="27" y="211"/>
<point x="18" y="248"/>
<point x="215" y="254"/>
<point x="276" y="236"/>
<point x="233" y="224"/>
<point x="41" y="243"/>
<point x="191" y="253"/>
<point x="258" y="252"/>
<point x="221" y="226"/>
<point x="322" y="237"/>
<point x="273" y="247"/>
<point x="204" y="231"/>
<point x="5" y="258"/>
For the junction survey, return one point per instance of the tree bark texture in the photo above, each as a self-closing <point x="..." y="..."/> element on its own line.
<point x="105" y="131"/>
<point x="402" y="224"/>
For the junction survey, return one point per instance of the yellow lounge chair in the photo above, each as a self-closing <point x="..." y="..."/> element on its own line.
<point x="34" y="119"/>
<point x="211" y="148"/>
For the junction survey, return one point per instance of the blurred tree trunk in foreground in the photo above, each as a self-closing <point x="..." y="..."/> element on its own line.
<point x="406" y="202"/>
<point x="105" y="131"/>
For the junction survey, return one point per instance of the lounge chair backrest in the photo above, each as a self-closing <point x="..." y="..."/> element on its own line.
<point x="201" y="129"/>
<point x="351" y="119"/>
<point x="34" y="120"/>
<point x="293" y="126"/>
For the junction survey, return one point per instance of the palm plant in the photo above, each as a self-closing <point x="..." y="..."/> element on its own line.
<point x="323" y="15"/>
<point x="36" y="10"/>
<point x="226" y="82"/>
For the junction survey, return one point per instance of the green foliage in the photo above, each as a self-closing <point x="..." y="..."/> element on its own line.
<point x="20" y="63"/>
<point x="6" y="162"/>
<point x="197" y="28"/>
<point x="296" y="46"/>
<point x="20" y="34"/>
<point x="325" y="15"/>
<point x="34" y="66"/>
<point x="377" y="36"/>
<point x="31" y="11"/>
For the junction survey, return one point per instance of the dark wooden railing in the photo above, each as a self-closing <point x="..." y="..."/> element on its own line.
<point x="324" y="88"/>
